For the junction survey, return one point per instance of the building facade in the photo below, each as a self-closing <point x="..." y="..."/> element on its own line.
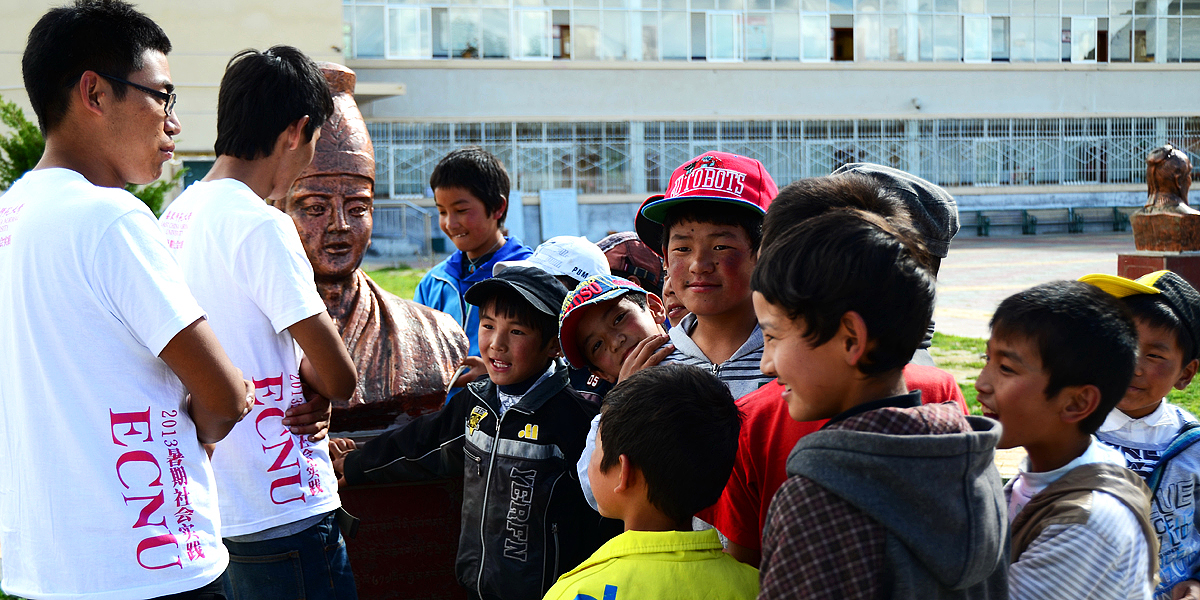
<point x="1008" y="103"/>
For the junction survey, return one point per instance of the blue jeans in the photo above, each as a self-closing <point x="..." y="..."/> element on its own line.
<point x="310" y="565"/>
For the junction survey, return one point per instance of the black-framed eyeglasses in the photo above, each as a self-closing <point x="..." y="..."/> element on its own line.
<point x="167" y="98"/>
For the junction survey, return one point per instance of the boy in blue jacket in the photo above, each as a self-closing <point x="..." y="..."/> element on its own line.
<point x="470" y="189"/>
<point x="515" y="436"/>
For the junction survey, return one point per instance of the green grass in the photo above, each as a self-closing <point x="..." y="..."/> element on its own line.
<point x="961" y="356"/>
<point x="401" y="281"/>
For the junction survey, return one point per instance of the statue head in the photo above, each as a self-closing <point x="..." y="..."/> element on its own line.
<point x="332" y="200"/>
<point x="1168" y="176"/>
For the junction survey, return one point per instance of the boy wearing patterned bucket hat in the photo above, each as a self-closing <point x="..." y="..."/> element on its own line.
<point x="711" y="217"/>
<point x="1158" y="438"/>
<point x="613" y="328"/>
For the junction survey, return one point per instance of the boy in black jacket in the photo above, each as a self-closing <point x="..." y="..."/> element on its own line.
<point x="515" y="436"/>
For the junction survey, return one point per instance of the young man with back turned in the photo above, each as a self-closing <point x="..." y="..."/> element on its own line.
<point x="890" y="498"/>
<point x="246" y="265"/>
<point x="105" y="490"/>
<point x="665" y="448"/>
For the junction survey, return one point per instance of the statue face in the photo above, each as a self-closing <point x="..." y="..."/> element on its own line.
<point x="333" y="216"/>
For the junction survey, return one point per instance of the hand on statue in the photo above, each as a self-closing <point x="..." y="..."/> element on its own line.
<point x="476" y="369"/>
<point x="311" y="418"/>
<point x="646" y="353"/>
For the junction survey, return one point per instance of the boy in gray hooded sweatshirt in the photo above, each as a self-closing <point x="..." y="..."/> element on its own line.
<point x="890" y="498"/>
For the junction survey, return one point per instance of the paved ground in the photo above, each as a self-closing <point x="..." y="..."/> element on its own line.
<point x="980" y="272"/>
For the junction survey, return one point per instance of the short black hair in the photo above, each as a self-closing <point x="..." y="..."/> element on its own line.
<point x="714" y="213"/>
<point x="477" y="171"/>
<point x="510" y="304"/>
<point x="1084" y="336"/>
<point x="851" y="260"/>
<point x="678" y="424"/>
<point x="104" y="36"/>
<point x="262" y="93"/>
<point x="806" y="198"/>
<point x="1158" y="313"/>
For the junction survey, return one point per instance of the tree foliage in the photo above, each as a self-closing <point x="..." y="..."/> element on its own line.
<point x="21" y="149"/>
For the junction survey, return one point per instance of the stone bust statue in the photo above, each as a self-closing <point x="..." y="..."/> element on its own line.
<point x="1168" y="177"/>
<point x="405" y="353"/>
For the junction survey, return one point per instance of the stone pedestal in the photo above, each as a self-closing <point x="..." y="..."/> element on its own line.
<point x="407" y="540"/>
<point x="1166" y="231"/>
<point x="1132" y="265"/>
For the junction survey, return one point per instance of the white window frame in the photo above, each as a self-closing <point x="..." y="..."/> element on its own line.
<point x="424" y="32"/>
<point x="738" y="49"/>
<point x="518" y="31"/>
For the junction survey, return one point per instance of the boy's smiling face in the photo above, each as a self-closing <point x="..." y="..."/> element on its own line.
<point x="1159" y="369"/>
<point x="513" y="351"/>
<point x="609" y="330"/>
<point x="1012" y="390"/>
<point x="710" y="266"/>
<point x="466" y="220"/>
<point x="813" y="378"/>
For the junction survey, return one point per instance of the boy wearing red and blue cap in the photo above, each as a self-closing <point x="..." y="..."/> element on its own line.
<point x="711" y="218"/>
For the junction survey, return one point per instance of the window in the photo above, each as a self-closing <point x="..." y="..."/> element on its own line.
<point x="977" y="39"/>
<point x="464" y="32"/>
<point x="1083" y="39"/>
<point x="758" y="36"/>
<point x="408" y="33"/>
<point x="674" y="36"/>
<point x="368" y="32"/>
<point x="999" y="38"/>
<point x="786" y="32"/>
<point x="724" y="39"/>
<point x="815" y="37"/>
<point x="533" y="35"/>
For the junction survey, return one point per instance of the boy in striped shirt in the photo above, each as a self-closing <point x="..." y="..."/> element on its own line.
<point x="1060" y="357"/>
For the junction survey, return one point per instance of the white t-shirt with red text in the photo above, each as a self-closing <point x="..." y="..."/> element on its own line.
<point x="105" y="491"/>
<point x="247" y="268"/>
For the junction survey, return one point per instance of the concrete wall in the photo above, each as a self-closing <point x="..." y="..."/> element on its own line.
<point x="575" y="91"/>
<point x="204" y="35"/>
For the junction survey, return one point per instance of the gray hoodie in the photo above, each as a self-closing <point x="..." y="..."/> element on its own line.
<point x="938" y="495"/>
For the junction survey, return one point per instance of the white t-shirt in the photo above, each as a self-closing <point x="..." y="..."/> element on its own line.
<point x="105" y="491"/>
<point x="246" y="266"/>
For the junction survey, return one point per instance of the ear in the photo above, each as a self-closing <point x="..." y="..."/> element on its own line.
<point x="90" y="91"/>
<point x="851" y="338"/>
<point x="1080" y="402"/>
<point x="630" y="476"/>
<point x="500" y="210"/>
<point x="294" y="134"/>
<point x="553" y="349"/>
<point x="1186" y="375"/>
<point x="657" y="309"/>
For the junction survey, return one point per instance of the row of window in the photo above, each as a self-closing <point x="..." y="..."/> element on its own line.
<point x="638" y="157"/>
<point x="875" y="34"/>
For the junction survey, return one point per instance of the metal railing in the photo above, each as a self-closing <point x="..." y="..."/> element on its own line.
<point x="638" y="157"/>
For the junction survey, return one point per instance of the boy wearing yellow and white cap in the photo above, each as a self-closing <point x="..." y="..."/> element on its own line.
<point x="1158" y="438"/>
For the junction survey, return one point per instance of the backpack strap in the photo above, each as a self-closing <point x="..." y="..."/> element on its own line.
<point x="1188" y="434"/>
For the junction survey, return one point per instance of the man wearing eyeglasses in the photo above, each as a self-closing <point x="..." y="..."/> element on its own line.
<point x="111" y="377"/>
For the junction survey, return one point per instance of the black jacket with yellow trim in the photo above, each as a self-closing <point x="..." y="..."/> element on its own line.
<point x="524" y="518"/>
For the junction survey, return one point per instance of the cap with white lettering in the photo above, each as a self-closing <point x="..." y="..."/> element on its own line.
<point x="716" y="177"/>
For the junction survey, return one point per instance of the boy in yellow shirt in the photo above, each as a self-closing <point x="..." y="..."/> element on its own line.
<point x="664" y="451"/>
